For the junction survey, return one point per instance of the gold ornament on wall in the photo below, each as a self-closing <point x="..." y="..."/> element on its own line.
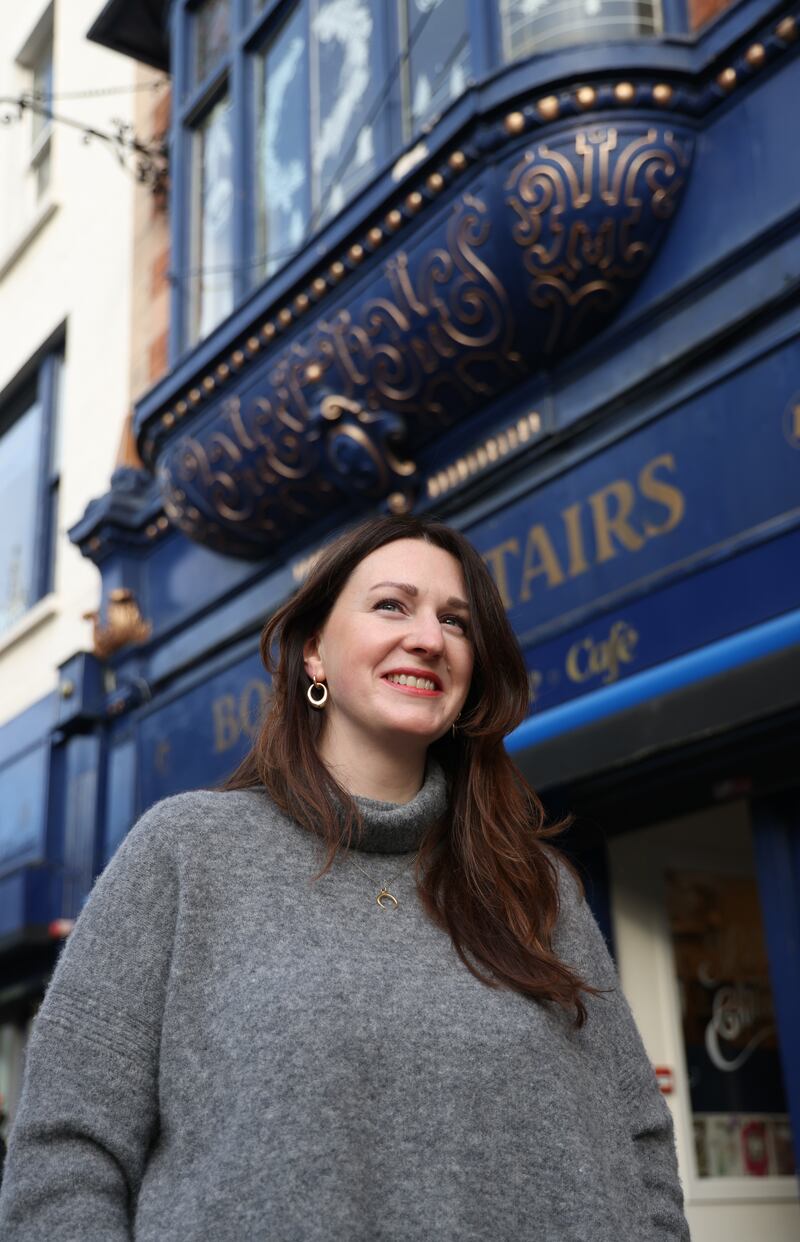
<point x="124" y="624"/>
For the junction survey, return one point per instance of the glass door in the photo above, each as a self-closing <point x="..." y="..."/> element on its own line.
<point x="694" y="966"/>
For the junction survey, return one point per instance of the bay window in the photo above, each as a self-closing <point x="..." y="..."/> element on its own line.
<point x="289" y="109"/>
<point x="533" y="26"/>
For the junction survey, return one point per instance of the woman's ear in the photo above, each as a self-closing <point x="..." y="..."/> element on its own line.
<point x="312" y="660"/>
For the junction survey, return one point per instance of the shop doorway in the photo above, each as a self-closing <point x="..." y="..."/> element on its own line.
<point x="693" y="965"/>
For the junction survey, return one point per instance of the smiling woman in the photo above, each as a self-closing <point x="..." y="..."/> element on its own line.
<point x="360" y="980"/>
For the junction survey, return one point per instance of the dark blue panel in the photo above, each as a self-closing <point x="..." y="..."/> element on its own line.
<point x="198" y="737"/>
<point x="716" y="473"/>
<point x="776" y="836"/>
<point x="120" y="793"/>
<point x="23" y="807"/>
<point x="765" y="186"/>
<point x="83" y="761"/>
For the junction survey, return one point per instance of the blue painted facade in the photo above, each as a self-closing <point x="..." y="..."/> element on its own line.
<point x="572" y="329"/>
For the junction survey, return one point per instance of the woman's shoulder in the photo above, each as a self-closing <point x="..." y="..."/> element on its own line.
<point x="171" y="820"/>
<point x="570" y="888"/>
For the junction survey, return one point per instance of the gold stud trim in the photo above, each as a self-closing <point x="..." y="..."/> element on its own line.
<point x="624" y="92"/>
<point x="209" y="383"/>
<point x="484" y="455"/>
<point x="727" y="79"/>
<point x="237" y="359"/>
<point x="586" y="96"/>
<point x="548" y="108"/>
<point x="302" y="303"/>
<point x="393" y="220"/>
<point x="414" y="201"/>
<point x="375" y="236"/>
<point x="285" y="317"/>
<point x="398" y="502"/>
<point x="435" y="183"/>
<point x="755" y="55"/>
<point x="662" y="93"/>
<point x="514" y="123"/>
<point x="457" y="161"/>
<point x="786" y="29"/>
<point x="319" y="286"/>
<point x="336" y="270"/>
<point x="356" y="253"/>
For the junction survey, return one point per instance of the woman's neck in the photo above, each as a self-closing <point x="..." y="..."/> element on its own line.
<point x="384" y="774"/>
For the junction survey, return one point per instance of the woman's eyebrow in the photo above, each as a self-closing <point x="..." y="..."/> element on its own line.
<point x="397" y="586"/>
<point x="453" y="602"/>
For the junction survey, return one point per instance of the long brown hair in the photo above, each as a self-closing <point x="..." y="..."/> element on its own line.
<point x="483" y="872"/>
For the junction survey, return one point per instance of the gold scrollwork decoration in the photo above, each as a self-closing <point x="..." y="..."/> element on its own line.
<point x="587" y="217"/>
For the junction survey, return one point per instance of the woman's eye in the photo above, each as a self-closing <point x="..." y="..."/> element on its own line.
<point x="389" y="604"/>
<point x="454" y="620"/>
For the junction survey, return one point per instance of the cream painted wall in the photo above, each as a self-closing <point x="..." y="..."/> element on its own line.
<point x="75" y="270"/>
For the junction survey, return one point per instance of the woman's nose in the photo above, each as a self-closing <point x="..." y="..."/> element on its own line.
<point x="425" y="633"/>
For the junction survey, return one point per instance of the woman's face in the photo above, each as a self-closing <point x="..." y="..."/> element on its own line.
<point x="396" y="651"/>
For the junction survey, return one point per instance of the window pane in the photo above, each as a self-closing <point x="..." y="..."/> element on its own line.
<point x="282" y="205"/>
<point x="42" y="90"/>
<point x="211" y="30"/>
<point x="531" y="26"/>
<point x="19" y="483"/>
<point x="212" y="250"/>
<point x="438" y="58"/>
<point x="739" y="1109"/>
<point x="348" y="74"/>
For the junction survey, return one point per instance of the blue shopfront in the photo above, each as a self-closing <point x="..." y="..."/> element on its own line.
<point x="535" y="269"/>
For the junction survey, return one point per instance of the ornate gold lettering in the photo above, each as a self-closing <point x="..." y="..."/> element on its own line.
<point x="495" y="559"/>
<point x="608" y="523"/>
<point x="225" y="716"/>
<point x="252" y="705"/>
<point x="587" y="658"/>
<point x="666" y="494"/>
<point x="540" y="558"/>
<point x="571" y="517"/>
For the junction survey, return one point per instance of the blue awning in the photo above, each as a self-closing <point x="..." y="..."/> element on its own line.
<point x="778" y="634"/>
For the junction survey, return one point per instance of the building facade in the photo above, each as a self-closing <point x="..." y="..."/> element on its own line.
<point x="532" y="267"/>
<point x="65" y="316"/>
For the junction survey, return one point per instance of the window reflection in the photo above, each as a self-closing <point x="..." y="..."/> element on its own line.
<point x="438" y="59"/>
<point x="19" y="481"/>
<point x="212" y="249"/>
<point x="211" y="31"/>
<point x="531" y="26"/>
<point x="739" y="1109"/>
<point x="283" y="191"/>
<point x="343" y="139"/>
<point x="316" y="86"/>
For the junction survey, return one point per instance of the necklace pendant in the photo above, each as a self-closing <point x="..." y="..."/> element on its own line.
<point x="385" y="895"/>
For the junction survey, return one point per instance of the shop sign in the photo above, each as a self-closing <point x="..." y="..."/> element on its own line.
<point x="674" y="536"/>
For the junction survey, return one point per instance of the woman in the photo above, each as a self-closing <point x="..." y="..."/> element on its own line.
<point x="356" y="995"/>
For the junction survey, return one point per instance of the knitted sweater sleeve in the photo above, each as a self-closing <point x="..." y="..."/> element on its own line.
<point x="88" y="1111"/>
<point x="647" y="1119"/>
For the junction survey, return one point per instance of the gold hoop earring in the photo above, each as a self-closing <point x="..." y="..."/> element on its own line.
<point x="317" y="685"/>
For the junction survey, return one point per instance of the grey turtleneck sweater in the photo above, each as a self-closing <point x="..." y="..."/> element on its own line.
<point x="228" y="1052"/>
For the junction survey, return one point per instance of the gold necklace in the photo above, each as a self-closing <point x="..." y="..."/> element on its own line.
<point x="384" y="894"/>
